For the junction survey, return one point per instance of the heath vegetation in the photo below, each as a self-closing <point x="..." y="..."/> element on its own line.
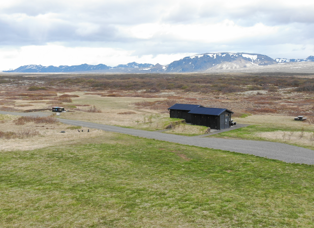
<point x="104" y="98"/>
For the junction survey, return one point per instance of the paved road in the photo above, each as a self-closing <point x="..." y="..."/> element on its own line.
<point x="278" y="151"/>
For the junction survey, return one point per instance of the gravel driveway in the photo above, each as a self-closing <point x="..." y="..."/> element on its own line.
<point x="278" y="151"/>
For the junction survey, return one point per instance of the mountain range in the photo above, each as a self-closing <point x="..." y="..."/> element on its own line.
<point x="208" y="62"/>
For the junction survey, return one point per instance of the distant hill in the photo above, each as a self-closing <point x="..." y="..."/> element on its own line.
<point x="204" y="62"/>
<point x="208" y="62"/>
<point x="284" y="60"/>
<point x="130" y="67"/>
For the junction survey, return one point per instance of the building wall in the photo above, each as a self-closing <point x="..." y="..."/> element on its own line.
<point x="214" y="122"/>
<point x="205" y="120"/>
<point x="222" y="121"/>
<point x="225" y="120"/>
<point x="181" y="114"/>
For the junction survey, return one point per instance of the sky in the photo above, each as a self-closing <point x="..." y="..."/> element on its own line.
<point x="112" y="32"/>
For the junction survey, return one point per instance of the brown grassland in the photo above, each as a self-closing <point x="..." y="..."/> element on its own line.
<point x="141" y="101"/>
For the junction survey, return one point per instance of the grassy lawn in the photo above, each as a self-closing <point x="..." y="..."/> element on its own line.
<point x="123" y="181"/>
<point x="249" y="132"/>
<point x="298" y="137"/>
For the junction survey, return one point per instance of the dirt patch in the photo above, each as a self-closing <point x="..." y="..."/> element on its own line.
<point x="46" y="134"/>
<point x="183" y="156"/>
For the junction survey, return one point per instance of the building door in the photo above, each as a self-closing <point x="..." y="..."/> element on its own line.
<point x="227" y="125"/>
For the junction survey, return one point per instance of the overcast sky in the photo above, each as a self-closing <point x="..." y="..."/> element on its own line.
<point x="112" y="32"/>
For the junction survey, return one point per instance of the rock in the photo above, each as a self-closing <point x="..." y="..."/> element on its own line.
<point x="207" y="131"/>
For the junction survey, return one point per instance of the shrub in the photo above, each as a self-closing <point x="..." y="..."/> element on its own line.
<point x="7" y="135"/>
<point x="94" y="109"/>
<point x="65" y="99"/>
<point x="70" y="95"/>
<point x="127" y="113"/>
<point x="24" y="119"/>
<point x="306" y="88"/>
<point x="36" y="88"/>
<point x="264" y="110"/>
<point x="4" y="81"/>
<point x="74" y="127"/>
<point x="232" y="89"/>
<point x="27" y="133"/>
<point x="8" y="109"/>
<point x="272" y="89"/>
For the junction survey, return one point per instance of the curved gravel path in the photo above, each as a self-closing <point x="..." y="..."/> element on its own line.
<point x="278" y="151"/>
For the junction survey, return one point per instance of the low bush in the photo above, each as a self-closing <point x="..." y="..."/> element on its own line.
<point x="74" y="127"/>
<point x="232" y="89"/>
<point x="264" y="110"/>
<point x="272" y="89"/>
<point x="127" y="113"/>
<point x="7" y="135"/>
<point x="310" y="120"/>
<point x="8" y="109"/>
<point x="26" y="133"/>
<point x="69" y="95"/>
<point x="24" y="119"/>
<point x="2" y="81"/>
<point x="306" y="88"/>
<point x="36" y="88"/>
<point x="65" y="99"/>
<point x="94" y="109"/>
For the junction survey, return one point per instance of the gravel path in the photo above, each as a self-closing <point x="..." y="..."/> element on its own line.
<point x="278" y="151"/>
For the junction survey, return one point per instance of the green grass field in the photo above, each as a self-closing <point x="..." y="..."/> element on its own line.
<point x="124" y="181"/>
<point x="253" y="132"/>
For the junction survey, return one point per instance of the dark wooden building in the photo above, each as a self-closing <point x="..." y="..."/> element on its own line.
<point x="182" y="111"/>
<point x="215" y="118"/>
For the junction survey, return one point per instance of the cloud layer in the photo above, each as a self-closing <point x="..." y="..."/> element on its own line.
<point x="141" y="28"/>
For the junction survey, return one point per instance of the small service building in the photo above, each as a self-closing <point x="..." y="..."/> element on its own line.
<point x="215" y="118"/>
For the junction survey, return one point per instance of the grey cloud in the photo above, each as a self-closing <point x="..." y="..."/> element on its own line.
<point x="31" y="31"/>
<point x="34" y="8"/>
<point x="23" y="24"/>
<point x="268" y="14"/>
<point x="65" y="21"/>
<point x="289" y="35"/>
<point x="116" y="12"/>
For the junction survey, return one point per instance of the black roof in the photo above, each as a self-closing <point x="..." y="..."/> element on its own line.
<point x="185" y="107"/>
<point x="209" y="111"/>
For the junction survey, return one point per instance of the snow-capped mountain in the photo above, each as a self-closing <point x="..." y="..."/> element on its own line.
<point x="46" y="69"/>
<point x="204" y="62"/>
<point x="130" y="67"/>
<point x="134" y="65"/>
<point x="284" y="60"/>
<point x="208" y="62"/>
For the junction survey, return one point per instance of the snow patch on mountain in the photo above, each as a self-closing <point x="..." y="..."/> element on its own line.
<point x="253" y="57"/>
